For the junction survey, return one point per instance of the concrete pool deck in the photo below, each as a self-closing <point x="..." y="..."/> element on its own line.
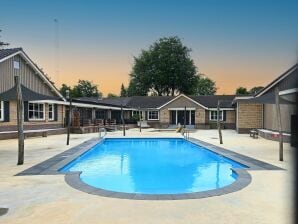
<point x="48" y="198"/>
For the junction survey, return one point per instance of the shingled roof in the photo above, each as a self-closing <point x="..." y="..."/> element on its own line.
<point x="9" y="51"/>
<point x="212" y="100"/>
<point x="151" y="102"/>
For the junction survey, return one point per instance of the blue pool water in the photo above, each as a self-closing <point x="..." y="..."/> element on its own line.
<point x="153" y="166"/>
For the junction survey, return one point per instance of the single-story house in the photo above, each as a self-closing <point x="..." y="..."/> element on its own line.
<point x="46" y="108"/>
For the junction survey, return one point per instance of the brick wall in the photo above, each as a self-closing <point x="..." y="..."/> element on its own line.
<point x="250" y="116"/>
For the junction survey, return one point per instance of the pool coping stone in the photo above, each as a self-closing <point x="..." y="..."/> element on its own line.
<point x="53" y="165"/>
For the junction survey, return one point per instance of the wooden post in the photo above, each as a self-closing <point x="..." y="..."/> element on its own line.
<point x="278" y="116"/>
<point x="218" y="122"/>
<point x="184" y="122"/>
<point x="20" y="119"/>
<point x="122" y="118"/>
<point x="69" y="116"/>
<point x="140" y="119"/>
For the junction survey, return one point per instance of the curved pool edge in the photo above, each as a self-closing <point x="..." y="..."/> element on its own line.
<point x="243" y="179"/>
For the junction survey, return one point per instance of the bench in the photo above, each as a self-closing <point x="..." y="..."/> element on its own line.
<point x="254" y="133"/>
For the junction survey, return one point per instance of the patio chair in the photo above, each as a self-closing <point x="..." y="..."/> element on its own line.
<point x="254" y="133"/>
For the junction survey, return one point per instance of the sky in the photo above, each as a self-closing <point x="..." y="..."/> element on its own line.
<point x="234" y="42"/>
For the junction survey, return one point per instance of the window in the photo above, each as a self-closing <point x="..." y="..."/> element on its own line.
<point x="51" y="112"/>
<point x="213" y="115"/>
<point x="1" y="111"/>
<point x="135" y="113"/>
<point x="16" y="64"/>
<point x="36" y="111"/>
<point x="153" y="115"/>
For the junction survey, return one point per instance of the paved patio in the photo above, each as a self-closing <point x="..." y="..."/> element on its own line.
<point x="48" y="199"/>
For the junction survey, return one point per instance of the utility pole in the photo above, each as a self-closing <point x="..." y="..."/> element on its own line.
<point x="218" y="122"/>
<point x="20" y="118"/>
<point x="278" y="116"/>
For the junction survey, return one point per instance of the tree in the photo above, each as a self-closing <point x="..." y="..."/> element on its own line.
<point x="110" y="95"/>
<point x="123" y="91"/>
<point x="165" y="68"/>
<point x="205" y="86"/>
<point x="85" y="88"/>
<point x="63" y="89"/>
<point x="136" y="89"/>
<point x="2" y="44"/>
<point x="255" y="89"/>
<point x="241" y="91"/>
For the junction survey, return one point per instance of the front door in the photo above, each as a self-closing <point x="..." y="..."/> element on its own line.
<point x="180" y="117"/>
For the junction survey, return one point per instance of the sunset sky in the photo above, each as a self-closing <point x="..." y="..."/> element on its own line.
<point x="234" y="42"/>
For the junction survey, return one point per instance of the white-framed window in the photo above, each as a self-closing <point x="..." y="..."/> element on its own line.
<point x="16" y="64"/>
<point x="213" y="115"/>
<point x="1" y="111"/>
<point x="36" y="111"/>
<point x="153" y="115"/>
<point x="51" y="112"/>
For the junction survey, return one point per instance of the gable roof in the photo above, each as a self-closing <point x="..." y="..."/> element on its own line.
<point x="211" y="101"/>
<point x="11" y="52"/>
<point x="157" y="102"/>
<point x="292" y="71"/>
<point x="4" y="53"/>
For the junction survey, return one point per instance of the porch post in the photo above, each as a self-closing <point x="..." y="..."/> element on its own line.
<point x="184" y="120"/>
<point x="176" y="117"/>
<point x="280" y="137"/>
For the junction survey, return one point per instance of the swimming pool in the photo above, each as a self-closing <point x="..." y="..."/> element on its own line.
<point x="153" y="166"/>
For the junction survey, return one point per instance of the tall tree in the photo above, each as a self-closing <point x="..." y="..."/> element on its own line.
<point x="123" y="91"/>
<point x="255" y="89"/>
<point x="165" y="68"/>
<point x="86" y="88"/>
<point x="205" y="86"/>
<point x="136" y="89"/>
<point x="63" y="89"/>
<point x="241" y="91"/>
<point x="111" y="95"/>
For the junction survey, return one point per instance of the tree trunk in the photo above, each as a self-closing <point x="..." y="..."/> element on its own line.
<point x="20" y="119"/>
<point x="218" y="123"/>
<point x="278" y="116"/>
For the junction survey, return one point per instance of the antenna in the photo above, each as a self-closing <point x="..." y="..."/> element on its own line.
<point x="57" y="51"/>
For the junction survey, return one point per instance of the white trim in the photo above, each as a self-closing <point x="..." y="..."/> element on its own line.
<point x="288" y="91"/>
<point x="40" y="73"/>
<point x="2" y="110"/>
<point x="10" y="56"/>
<point x="53" y="112"/>
<point x="37" y="119"/>
<point x="221" y="111"/>
<point x="153" y="119"/>
<point x="283" y="76"/>
<point x="212" y="109"/>
<point x="178" y="98"/>
<point x="81" y="104"/>
<point x="183" y="108"/>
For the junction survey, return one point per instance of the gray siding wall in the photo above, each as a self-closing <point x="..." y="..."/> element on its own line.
<point x="29" y="77"/>
<point x="270" y="120"/>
